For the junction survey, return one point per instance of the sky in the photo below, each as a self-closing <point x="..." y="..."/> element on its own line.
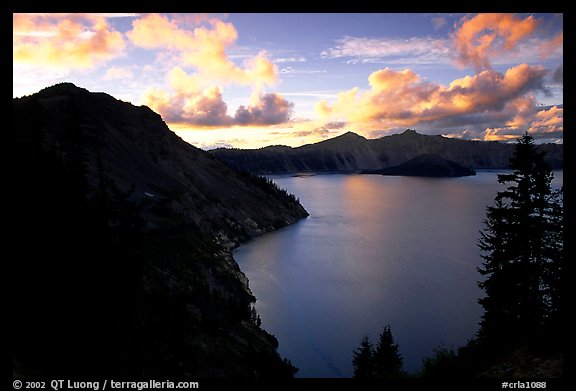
<point x="248" y="80"/>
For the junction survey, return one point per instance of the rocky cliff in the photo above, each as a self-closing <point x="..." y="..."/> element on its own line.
<point x="351" y="152"/>
<point x="121" y="236"/>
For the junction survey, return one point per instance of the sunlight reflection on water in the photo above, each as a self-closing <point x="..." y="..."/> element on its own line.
<point x="376" y="250"/>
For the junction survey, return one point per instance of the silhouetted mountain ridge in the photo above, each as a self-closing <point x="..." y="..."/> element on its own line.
<point x="352" y="153"/>
<point x="122" y="235"/>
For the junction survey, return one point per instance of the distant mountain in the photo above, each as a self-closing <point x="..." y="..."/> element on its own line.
<point x="427" y="165"/>
<point x="351" y="152"/>
<point x="122" y="235"/>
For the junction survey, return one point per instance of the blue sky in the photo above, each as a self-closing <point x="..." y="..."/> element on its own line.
<point x="250" y="80"/>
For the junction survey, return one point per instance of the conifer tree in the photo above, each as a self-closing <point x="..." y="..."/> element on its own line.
<point x="387" y="358"/>
<point x="363" y="360"/>
<point x="522" y="245"/>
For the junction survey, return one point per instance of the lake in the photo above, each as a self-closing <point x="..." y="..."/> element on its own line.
<point x="375" y="251"/>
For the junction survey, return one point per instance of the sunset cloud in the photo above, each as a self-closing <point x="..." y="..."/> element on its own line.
<point x="479" y="76"/>
<point x="542" y="123"/>
<point x="391" y="50"/>
<point x="549" y="120"/>
<point x="548" y="48"/>
<point x="487" y="105"/>
<point x="558" y="75"/>
<point x="189" y="103"/>
<point x="118" y="73"/>
<point x="399" y="99"/>
<point x="64" y="40"/>
<point x="270" y="109"/>
<point x="518" y="116"/>
<point x="204" y="109"/>
<point x="438" y="22"/>
<point x="316" y="133"/>
<point x="480" y="38"/>
<point x="280" y="60"/>
<point x="203" y="47"/>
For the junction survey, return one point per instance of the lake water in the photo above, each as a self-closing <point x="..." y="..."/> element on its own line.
<point x="375" y="251"/>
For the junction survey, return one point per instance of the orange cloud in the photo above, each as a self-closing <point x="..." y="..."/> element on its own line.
<point x="204" y="109"/>
<point x="269" y="109"/>
<point x="548" y="121"/>
<point x="542" y="122"/>
<point x="183" y="83"/>
<point x="547" y="48"/>
<point x="157" y="31"/>
<point x="261" y="70"/>
<point x="399" y="99"/>
<point x="64" y="40"/>
<point x="479" y="38"/>
<point x="190" y="103"/>
<point x="204" y="48"/>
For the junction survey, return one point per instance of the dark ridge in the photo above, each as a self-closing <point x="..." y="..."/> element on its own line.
<point x="120" y="236"/>
<point x="352" y="153"/>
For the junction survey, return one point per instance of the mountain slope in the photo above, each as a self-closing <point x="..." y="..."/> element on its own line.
<point x="350" y="152"/>
<point x="121" y="236"/>
<point x="136" y="149"/>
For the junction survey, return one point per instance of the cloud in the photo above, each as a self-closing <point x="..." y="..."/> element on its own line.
<point x="190" y="19"/>
<point x="478" y="40"/>
<point x="335" y="125"/>
<point x="438" y="22"/>
<point x="203" y="47"/>
<point x="270" y="109"/>
<point x="413" y="50"/>
<point x="399" y="99"/>
<point x="260" y="71"/>
<point x="320" y="132"/>
<point x="65" y="41"/>
<point x="201" y="43"/>
<point x="548" y="120"/>
<point x="118" y="73"/>
<point x="190" y="103"/>
<point x="326" y="130"/>
<point x="157" y="31"/>
<point x="294" y="71"/>
<point x="217" y="144"/>
<point x="558" y="75"/>
<point x="201" y="108"/>
<point x="548" y="48"/>
<point x="281" y="60"/>
<point x="510" y="122"/>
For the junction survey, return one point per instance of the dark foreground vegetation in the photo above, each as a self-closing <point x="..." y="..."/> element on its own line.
<point x="521" y="333"/>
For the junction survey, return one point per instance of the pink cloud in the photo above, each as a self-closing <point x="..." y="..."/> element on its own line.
<point x="203" y="47"/>
<point x="479" y="39"/>
<point x="270" y="109"/>
<point x="399" y="99"/>
<point x="64" y="40"/>
<point x="189" y="103"/>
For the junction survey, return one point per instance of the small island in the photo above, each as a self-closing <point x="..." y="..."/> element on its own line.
<point x="426" y="165"/>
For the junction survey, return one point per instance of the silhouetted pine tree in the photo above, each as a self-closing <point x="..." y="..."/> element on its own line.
<point x="387" y="358"/>
<point x="363" y="360"/>
<point x="522" y="247"/>
<point x="384" y="361"/>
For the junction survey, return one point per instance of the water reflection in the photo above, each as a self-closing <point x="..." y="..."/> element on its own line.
<point x="375" y="250"/>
